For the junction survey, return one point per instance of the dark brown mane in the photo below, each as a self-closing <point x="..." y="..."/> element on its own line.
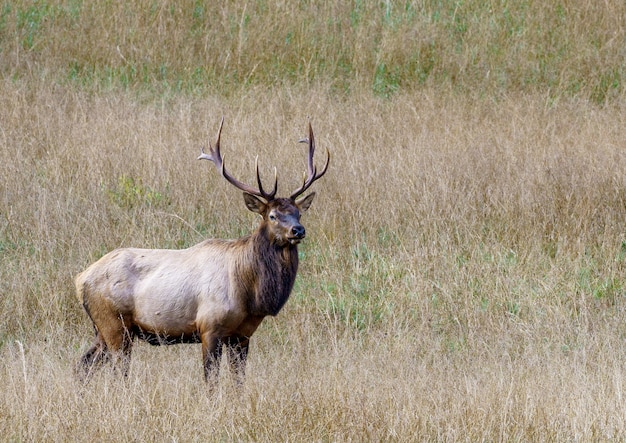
<point x="275" y="268"/>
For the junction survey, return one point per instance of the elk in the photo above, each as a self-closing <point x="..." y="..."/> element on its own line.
<point x="215" y="293"/>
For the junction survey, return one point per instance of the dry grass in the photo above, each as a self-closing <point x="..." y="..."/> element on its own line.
<point x="463" y="279"/>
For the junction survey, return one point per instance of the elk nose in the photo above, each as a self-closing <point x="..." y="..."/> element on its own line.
<point x="298" y="231"/>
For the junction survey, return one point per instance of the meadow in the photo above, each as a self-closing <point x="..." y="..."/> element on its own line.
<point x="463" y="275"/>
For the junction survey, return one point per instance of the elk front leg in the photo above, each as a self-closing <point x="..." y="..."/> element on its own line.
<point x="211" y="355"/>
<point x="237" y="355"/>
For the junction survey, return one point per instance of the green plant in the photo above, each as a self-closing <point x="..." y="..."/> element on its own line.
<point x="130" y="193"/>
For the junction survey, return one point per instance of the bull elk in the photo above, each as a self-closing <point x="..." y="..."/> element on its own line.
<point x="215" y="293"/>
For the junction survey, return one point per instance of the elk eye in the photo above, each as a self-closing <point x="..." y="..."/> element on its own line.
<point x="272" y="217"/>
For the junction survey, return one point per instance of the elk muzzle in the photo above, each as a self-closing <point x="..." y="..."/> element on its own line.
<point x="297" y="234"/>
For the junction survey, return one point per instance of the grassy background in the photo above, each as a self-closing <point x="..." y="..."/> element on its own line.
<point x="572" y="48"/>
<point x="463" y="277"/>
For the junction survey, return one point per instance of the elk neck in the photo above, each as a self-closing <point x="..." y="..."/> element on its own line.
<point x="268" y="272"/>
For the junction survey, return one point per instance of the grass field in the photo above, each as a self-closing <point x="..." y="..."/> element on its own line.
<point x="463" y="276"/>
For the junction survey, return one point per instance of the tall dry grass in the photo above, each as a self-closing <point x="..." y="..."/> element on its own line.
<point x="462" y="280"/>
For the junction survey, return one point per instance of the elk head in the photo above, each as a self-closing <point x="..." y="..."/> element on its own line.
<point x="281" y="216"/>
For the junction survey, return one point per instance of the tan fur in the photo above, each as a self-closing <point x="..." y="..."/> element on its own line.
<point x="216" y="292"/>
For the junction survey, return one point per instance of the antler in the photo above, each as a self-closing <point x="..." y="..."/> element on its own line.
<point x="215" y="156"/>
<point x="312" y="174"/>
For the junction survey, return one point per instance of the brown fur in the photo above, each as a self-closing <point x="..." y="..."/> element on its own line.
<point x="216" y="292"/>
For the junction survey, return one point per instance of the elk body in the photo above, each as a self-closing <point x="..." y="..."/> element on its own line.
<point x="215" y="293"/>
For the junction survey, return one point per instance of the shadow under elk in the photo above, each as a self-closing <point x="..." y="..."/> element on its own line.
<point x="215" y="293"/>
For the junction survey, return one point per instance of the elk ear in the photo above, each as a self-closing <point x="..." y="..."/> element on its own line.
<point x="253" y="203"/>
<point x="305" y="202"/>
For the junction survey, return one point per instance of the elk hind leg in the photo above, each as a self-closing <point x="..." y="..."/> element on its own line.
<point x="121" y="343"/>
<point x="93" y="359"/>
<point x="118" y="340"/>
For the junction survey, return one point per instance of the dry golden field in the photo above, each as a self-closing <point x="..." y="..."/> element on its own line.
<point x="462" y="279"/>
<point x="463" y="276"/>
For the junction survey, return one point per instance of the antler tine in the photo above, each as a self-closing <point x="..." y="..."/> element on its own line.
<point x="311" y="166"/>
<point x="312" y="174"/>
<point x="265" y="195"/>
<point x="214" y="153"/>
<point x="215" y="156"/>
